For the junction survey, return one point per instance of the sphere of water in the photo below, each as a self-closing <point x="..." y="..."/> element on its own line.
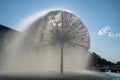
<point x="57" y="41"/>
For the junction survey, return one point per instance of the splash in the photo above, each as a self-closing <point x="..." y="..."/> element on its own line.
<point x="56" y="41"/>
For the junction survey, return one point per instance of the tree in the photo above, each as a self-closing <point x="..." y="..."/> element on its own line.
<point x="118" y="63"/>
<point x="99" y="61"/>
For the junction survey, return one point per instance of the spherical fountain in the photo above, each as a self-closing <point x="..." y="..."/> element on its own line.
<point x="57" y="42"/>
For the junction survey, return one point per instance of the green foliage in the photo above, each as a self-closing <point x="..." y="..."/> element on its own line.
<point x="118" y="63"/>
<point x="97" y="60"/>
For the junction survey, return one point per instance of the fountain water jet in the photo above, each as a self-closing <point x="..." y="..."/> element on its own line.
<point x="57" y="42"/>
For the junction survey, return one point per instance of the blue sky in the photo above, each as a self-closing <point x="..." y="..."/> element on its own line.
<point x="96" y="15"/>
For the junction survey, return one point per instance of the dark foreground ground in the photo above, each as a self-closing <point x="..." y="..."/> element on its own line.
<point x="57" y="77"/>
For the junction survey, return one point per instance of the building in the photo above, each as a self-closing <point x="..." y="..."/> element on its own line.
<point x="5" y="35"/>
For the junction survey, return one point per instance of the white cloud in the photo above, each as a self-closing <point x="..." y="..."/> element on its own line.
<point x="107" y="30"/>
<point x="104" y="30"/>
